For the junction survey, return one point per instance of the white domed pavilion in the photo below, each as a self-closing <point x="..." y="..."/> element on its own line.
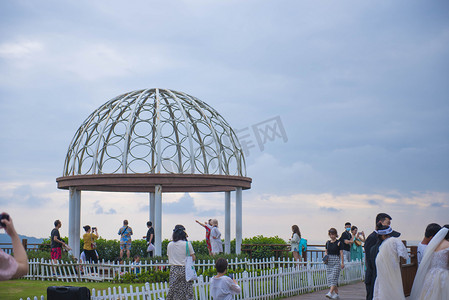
<point x="155" y="140"/>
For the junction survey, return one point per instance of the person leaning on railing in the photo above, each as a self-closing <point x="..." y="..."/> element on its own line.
<point x="17" y="266"/>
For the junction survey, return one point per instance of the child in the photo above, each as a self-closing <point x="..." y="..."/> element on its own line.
<point x="223" y="287"/>
<point x="119" y="263"/>
<point x="136" y="262"/>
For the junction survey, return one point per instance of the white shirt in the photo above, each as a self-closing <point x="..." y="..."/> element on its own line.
<point x="421" y="250"/>
<point x="83" y="257"/>
<point x="176" y="252"/>
<point x="215" y="241"/>
<point x="223" y="288"/>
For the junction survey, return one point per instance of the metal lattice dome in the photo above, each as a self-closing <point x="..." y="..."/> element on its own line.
<point x="155" y="131"/>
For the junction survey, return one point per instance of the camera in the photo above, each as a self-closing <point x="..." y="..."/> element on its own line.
<point x="3" y="216"/>
<point x="230" y="275"/>
<point x="94" y="228"/>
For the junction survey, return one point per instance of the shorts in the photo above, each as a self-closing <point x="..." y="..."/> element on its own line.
<point x="56" y="253"/>
<point x="125" y="246"/>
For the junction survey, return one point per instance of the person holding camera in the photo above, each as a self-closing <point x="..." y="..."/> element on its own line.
<point x="356" y="247"/>
<point x="90" y="245"/>
<point x="17" y="266"/>
<point x="223" y="287"/>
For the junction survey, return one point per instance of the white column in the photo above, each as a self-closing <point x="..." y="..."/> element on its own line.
<point x="158" y="220"/>
<point x="227" y="222"/>
<point x="238" y="220"/>
<point x="74" y="221"/>
<point x="77" y="224"/>
<point x="152" y="207"/>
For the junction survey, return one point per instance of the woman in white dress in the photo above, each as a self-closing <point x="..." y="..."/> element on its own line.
<point x="432" y="279"/>
<point x="388" y="283"/>
<point x="215" y="238"/>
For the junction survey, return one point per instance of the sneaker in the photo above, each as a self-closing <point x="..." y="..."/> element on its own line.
<point x="329" y="295"/>
<point x="335" y="296"/>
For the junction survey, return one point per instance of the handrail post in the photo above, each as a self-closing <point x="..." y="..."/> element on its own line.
<point x="25" y="244"/>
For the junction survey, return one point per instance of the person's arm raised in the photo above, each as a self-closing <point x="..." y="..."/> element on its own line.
<point x="200" y="223"/>
<point x="20" y="254"/>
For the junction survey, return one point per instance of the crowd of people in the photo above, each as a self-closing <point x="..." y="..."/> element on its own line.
<point x="382" y="253"/>
<point x="383" y="250"/>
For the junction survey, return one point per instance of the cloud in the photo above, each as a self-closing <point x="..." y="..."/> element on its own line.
<point x="19" y="50"/>
<point x="436" y="204"/>
<point x="209" y="213"/>
<point x="99" y="209"/>
<point x="330" y="209"/>
<point x="373" y="202"/>
<point x="186" y="205"/>
<point x="22" y="195"/>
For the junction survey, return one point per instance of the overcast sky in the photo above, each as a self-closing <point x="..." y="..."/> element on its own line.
<point x="360" y="87"/>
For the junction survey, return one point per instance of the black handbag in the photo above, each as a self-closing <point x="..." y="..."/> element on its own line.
<point x="326" y="257"/>
<point x="68" y="293"/>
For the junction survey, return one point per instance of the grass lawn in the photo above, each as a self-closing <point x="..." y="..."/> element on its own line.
<point x="22" y="288"/>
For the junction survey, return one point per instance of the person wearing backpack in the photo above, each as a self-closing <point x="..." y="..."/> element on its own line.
<point x="125" y="233"/>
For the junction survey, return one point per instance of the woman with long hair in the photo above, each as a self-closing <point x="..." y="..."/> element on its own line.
<point x="356" y="247"/>
<point x="298" y="244"/>
<point x="177" y="251"/>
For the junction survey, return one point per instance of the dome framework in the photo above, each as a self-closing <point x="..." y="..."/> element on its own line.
<point x="155" y="131"/>
<point x="154" y="139"/>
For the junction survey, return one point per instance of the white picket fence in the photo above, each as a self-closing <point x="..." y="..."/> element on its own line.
<point x="108" y="271"/>
<point x="268" y="284"/>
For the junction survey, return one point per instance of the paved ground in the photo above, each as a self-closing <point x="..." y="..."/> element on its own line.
<point x="348" y="292"/>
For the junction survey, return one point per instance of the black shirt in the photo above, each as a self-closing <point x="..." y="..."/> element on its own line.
<point x="345" y="236"/>
<point x="333" y="248"/>
<point x="55" y="232"/>
<point x="370" y="241"/>
<point x="371" y="270"/>
<point x="149" y="233"/>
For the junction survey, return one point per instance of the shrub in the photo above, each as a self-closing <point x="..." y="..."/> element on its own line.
<point x="265" y="251"/>
<point x="142" y="277"/>
<point x="109" y="250"/>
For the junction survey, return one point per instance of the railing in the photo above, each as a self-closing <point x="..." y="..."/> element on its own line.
<point x="409" y="269"/>
<point x="313" y="253"/>
<point x="7" y="247"/>
<point x="270" y="284"/>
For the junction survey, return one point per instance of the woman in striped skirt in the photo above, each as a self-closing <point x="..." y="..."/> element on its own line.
<point x="334" y="250"/>
<point x="179" y="288"/>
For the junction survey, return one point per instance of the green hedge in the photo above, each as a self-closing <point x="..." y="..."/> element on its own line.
<point x="264" y="252"/>
<point x="110" y="249"/>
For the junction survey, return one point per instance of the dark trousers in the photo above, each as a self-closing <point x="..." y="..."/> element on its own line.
<point x="369" y="291"/>
<point x="91" y="256"/>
